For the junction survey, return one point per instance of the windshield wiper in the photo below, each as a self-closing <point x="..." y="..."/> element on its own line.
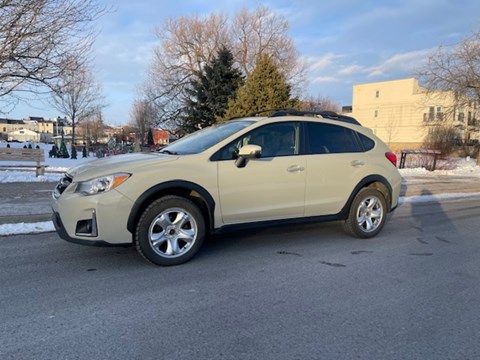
<point x="165" y="151"/>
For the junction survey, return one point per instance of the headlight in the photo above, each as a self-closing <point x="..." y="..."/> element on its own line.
<point x="101" y="184"/>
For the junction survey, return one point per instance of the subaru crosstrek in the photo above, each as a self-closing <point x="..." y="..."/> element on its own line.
<point x="288" y="166"/>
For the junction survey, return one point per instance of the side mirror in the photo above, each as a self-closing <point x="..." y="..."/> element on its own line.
<point x="248" y="152"/>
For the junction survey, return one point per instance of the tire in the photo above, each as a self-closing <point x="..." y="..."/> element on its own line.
<point x="367" y="214"/>
<point x="170" y="231"/>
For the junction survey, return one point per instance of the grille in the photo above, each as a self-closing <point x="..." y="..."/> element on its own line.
<point x="64" y="182"/>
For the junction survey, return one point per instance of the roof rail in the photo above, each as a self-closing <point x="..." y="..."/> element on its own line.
<point x="325" y="114"/>
<point x="293" y="112"/>
<point x="274" y="111"/>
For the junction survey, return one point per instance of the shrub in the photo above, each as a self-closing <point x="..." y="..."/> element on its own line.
<point x="442" y="137"/>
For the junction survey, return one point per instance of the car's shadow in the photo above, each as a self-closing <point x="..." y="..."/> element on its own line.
<point x="300" y="240"/>
<point x="297" y="239"/>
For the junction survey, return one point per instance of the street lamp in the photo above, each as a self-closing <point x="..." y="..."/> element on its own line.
<point x="61" y="130"/>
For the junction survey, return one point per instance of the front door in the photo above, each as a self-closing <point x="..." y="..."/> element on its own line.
<point x="269" y="188"/>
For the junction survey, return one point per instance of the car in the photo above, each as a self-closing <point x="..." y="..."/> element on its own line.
<point x="285" y="168"/>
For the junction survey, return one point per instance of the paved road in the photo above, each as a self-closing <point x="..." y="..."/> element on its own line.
<point x="25" y="202"/>
<point x="413" y="185"/>
<point x="308" y="292"/>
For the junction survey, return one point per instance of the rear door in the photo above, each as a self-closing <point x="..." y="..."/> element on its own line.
<point x="336" y="162"/>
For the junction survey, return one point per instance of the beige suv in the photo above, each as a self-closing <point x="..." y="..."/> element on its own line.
<point x="256" y="170"/>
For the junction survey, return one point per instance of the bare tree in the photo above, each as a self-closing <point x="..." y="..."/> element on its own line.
<point x="262" y="32"/>
<point x="188" y="43"/>
<point x="319" y="104"/>
<point x="92" y="128"/>
<point x="455" y="72"/>
<point x="455" y="69"/>
<point x="35" y="39"/>
<point x="142" y="118"/>
<point x="76" y="94"/>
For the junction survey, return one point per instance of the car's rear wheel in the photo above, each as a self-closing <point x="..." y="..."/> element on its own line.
<point x="367" y="214"/>
<point x="170" y="231"/>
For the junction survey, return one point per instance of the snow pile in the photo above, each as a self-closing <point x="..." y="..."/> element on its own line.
<point x="23" y="228"/>
<point x="462" y="167"/>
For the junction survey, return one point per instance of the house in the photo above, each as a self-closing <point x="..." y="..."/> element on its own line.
<point x="9" y="125"/>
<point x="24" y="135"/>
<point x="160" y="137"/>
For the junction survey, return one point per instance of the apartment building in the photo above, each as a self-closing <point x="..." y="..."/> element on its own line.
<point x="401" y="112"/>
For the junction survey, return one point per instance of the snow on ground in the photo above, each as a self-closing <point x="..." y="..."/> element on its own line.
<point x="456" y="167"/>
<point x="53" y="173"/>
<point x="26" y="228"/>
<point x="464" y="167"/>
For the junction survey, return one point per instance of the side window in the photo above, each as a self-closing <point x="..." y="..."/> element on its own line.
<point x="279" y="139"/>
<point x="330" y="139"/>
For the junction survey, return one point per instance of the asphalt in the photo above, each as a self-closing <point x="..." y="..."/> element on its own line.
<point x="30" y="202"/>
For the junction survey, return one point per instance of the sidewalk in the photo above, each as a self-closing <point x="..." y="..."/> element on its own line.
<point x="26" y="202"/>
<point x="31" y="202"/>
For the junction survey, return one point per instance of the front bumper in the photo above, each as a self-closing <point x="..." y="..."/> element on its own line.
<point x="98" y="220"/>
<point x="57" y="222"/>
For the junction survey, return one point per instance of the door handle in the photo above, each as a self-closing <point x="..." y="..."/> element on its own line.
<point x="295" y="168"/>
<point x="357" y="163"/>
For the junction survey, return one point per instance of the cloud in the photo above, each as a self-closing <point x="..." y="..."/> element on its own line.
<point x="325" y="79"/>
<point x="403" y="62"/>
<point x="350" y="70"/>
<point x="316" y="63"/>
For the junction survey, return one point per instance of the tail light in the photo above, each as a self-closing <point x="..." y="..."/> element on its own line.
<point x="392" y="158"/>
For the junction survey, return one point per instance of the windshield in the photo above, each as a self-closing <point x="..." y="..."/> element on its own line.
<point x="203" y="139"/>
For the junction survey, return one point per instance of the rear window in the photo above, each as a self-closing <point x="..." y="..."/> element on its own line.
<point x="368" y="144"/>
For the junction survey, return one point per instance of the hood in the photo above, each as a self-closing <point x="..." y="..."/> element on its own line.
<point x="118" y="163"/>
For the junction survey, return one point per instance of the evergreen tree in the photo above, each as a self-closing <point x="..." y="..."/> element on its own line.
<point x="265" y="88"/>
<point x="74" y="152"/>
<point x="63" y="153"/>
<point x="150" y="140"/>
<point x="210" y="92"/>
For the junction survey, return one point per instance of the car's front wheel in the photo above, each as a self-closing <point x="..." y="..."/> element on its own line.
<point x="367" y="214"/>
<point x="170" y="231"/>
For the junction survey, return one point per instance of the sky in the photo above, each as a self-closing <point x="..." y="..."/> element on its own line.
<point x="343" y="42"/>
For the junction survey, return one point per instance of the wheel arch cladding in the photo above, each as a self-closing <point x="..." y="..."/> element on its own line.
<point x="199" y="195"/>
<point x="374" y="181"/>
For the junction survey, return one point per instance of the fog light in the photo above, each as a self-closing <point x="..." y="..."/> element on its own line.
<point x="87" y="227"/>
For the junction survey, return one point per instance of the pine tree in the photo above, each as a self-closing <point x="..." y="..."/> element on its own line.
<point x="265" y="88"/>
<point x="63" y="153"/>
<point x="150" y="140"/>
<point x="211" y="91"/>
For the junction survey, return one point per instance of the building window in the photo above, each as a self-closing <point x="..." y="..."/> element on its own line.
<point x="434" y="113"/>
<point x="471" y="119"/>
<point x="375" y="114"/>
<point x="461" y="117"/>
<point x="439" y="113"/>
<point x="377" y="93"/>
